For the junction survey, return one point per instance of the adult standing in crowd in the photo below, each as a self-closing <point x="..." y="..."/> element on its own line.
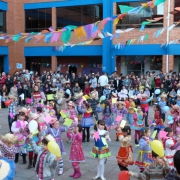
<point x="103" y="80"/>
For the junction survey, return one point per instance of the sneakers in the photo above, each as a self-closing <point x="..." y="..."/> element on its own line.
<point x="61" y="172"/>
<point x="96" y="178"/>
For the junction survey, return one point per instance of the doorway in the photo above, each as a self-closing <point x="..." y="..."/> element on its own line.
<point x="1" y="64"/>
<point x="72" y="69"/>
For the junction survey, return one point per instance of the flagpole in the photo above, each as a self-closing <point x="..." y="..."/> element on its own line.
<point x="167" y="38"/>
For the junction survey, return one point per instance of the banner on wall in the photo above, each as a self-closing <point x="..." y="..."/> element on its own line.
<point x="19" y="66"/>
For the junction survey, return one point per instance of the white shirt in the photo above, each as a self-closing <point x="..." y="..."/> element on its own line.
<point x="103" y="80"/>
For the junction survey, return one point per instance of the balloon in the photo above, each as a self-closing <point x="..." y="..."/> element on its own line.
<point x="157" y="147"/>
<point x="124" y="175"/>
<point x="127" y="104"/>
<point x="157" y="91"/>
<point x="33" y="125"/>
<point x="54" y="148"/>
<point x="166" y="108"/>
<point x="8" y="102"/>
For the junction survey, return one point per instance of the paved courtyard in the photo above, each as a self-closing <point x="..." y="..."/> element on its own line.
<point x="88" y="168"/>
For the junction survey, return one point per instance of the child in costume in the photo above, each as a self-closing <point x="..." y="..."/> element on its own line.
<point x="11" y="110"/>
<point x="87" y="120"/>
<point x="51" y="109"/>
<point x="72" y="114"/>
<point x="100" y="150"/>
<point x="31" y="154"/>
<point x="177" y="135"/>
<point x="144" y="157"/>
<point x="120" y="110"/>
<point x="55" y="131"/>
<point x="157" y="170"/>
<point x="123" y="93"/>
<point x="94" y="102"/>
<point x="46" y="162"/>
<point x="130" y="113"/>
<point x="162" y="103"/>
<point x="138" y="124"/>
<point x="36" y="97"/>
<point x="106" y="111"/>
<point x="157" y="123"/>
<point x="170" y="146"/>
<point x="8" y="152"/>
<point x="18" y="128"/>
<point x="175" y="116"/>
<point x="76" y="152"/>
<point x="144" y="103"/>
<point x="125" y="153"/>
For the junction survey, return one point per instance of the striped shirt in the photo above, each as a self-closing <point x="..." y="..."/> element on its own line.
<point x="154" y="172"/>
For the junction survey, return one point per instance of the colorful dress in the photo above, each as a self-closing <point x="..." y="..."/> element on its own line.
<point x="158" y="123"/>
<point x="100" y="149"/>
<point x="169" y="153"/>
<point x="144" y="157"/>
<point x="119" y="112"/>
<point x="56" y="133"/>
<point x="175" y="115"/>
<point x="138" y="123"/>
<point x="76" y="151"/>
<point x="87" y="120"/>
<point x="178" y="136"/>
<point x="125" y="153"/>
<point x="21" y="137"/>
<point x="72" y="114"/>
<point x="106" y="116"/>
<point x="36" y="98"/>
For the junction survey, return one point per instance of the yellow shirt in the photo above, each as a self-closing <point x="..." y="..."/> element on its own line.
<point x="131" y="107"/>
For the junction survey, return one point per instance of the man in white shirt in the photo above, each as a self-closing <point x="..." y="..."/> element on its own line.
<point x="103" y="80"/>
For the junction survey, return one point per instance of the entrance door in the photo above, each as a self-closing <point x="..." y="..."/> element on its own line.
<point x="72" y="69"/>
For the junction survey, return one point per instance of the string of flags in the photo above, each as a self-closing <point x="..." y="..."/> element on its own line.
<point x="89" y="31"/>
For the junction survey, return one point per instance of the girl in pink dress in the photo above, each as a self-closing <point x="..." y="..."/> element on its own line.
<point x="76" y="153"/>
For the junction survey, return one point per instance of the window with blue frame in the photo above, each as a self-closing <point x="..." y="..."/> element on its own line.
<point x="132" y="20"/>
<point x="38" y="19"/>
<point x="78" y="15"/>
<point x="177" y="15"/>
<point x="2" y="21"/>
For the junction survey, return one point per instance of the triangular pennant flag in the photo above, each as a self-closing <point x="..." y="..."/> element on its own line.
<point x="124" y="9"/>
<point x="66" y="36"/>
<point x="80" y="32"/>
<point x="48" y="37"/>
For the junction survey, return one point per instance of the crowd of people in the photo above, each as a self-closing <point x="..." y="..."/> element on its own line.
<point x="108" y="103"/>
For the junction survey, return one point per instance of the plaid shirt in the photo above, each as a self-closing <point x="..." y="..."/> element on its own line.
<point x="8" y="152"/>
<point x="12" y="108"/>
<point x="41" y="164"/>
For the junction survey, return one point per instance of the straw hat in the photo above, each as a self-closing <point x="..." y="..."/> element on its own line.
<point x="92" y="94"/>
<point x="106" y="85"/>
<point x="175" y="107"/>
<point x="53" y="120"/>
<point x="9" y="138"/>
<point x="67" y="82"/>
<point x="49" y="138"/>
<point x="163" y="95"/>
<point x="4" y="169"/>
<point x="70" y="103"/>
<point x="33" y="116"/>
<point x="114" y="94"/>
<point x="131" y="97"/>
<point x="10" y="96"/>
<point x="23" y="109"/>
<point x="120" y="103"/>
<point x="78" y="95"/>
<point x="144" y="95"/>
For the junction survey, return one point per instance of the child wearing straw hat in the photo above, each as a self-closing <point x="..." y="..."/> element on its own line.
<point x="46" y="162"/>
<point x="7" y="164"/>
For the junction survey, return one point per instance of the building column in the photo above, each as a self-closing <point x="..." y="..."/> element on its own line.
<point x="170" y="64"/>
<point x="53" y="63"/>
<point x="54" y="21"/>
<point x="107" y="43"/>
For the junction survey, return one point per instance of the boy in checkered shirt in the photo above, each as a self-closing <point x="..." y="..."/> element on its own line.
<point x="46" y="162"/>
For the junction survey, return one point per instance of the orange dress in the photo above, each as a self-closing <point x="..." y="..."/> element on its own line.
<point x="125" y="153"/>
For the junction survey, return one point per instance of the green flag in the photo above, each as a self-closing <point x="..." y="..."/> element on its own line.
<point x="157" y="2"/>
<point x="66" y="36"/>
<point x="146" y="23"/>
<point x="146" y="37"/>
<point x="125" y="9"/>
<point x="16" y="38"/>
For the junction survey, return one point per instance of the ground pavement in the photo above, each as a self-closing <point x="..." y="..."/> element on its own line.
<point x="88" y="168"/>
